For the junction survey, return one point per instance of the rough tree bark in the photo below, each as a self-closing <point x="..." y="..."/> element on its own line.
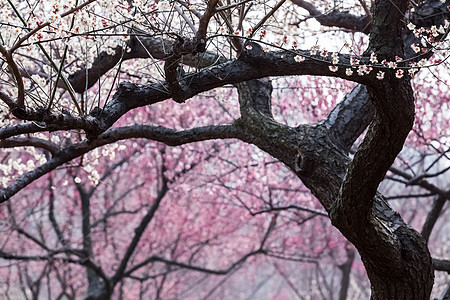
<point x="395" y="256"/>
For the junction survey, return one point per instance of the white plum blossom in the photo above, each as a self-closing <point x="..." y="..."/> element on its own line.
<point x="392" y="65"/>
<point x="373" y="58"/>
<point x="164" y="5"/>
<point x="299" y="58"/>
<point x="423" y="42"/>
<point x="314" y="50"/>
<point x="411" y="26"/>
<point x="380" y="75"/>
<point x="412" y="72"/>
<point x="354" y="61"/>
<point x="415" y="48"/>
<point x="39" y="80"/>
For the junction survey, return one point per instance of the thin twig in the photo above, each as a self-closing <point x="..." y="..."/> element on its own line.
<point x="15" y="71"/>
<point x="27" y="36"/>
<point x="186" y="18"/>
<point x="366" y="9"/>
<point x="225" y="7"/>
<point x="263" y="20"/>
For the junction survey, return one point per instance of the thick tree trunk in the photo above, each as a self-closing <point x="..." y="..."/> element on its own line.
<point x="396" y="257"/>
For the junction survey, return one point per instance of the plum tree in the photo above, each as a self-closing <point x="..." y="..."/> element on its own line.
<point x="94" y="92"/>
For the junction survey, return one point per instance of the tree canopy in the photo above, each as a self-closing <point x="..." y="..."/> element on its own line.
<point x="155" y="149"/>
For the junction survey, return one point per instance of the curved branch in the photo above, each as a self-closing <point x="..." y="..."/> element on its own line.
<point x="336" y="18"/>
<point x="190" y="267"/>
<point x="157" y="133"/>
<point x="393" y="120"/>
<point x="252" y="65"/>
<point x="15" y="130"/>
<point x="421" y="182"/>
<point x="140" y="46"/>
<point x="34" y="142"/>
<point x="16" y="72"/>
<point x="441" y="265"/>
<point x="234" y="265"/>
<point x="139" y="231"/>
<point x="432" y="216"/>
<point x="350" y="117"/>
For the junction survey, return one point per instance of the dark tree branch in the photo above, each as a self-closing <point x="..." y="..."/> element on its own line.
<point x="14" y="69"/>
<point x="52" y="256"/>
<point x="336" y="18"/>
<point x="129" y="96"/>
<point x="346" y="269"/>
<point x="8" y="100"/>
<point x="441" y="265"/>
<point x="140" y="46"/>
<point x="350" y="117"/>
<point x="375" y="229"/>
<point x="31" y="141"/>
<point x="393" y="119"/>
<point x="51" y="215"/>
<point x="94" y="280"/>
<point x="139" y="231"/>
<point x="421" y="182"/>
<point x="203" y="24"/>
<point x="366" y="9"/>
<point x="432" y="217"/>
<point x="168" y="136"/>
<point x="22" y="231"/>
<point x="290" y="207"/>
<point x="171" y="67"/>
<point x="15" y="130"/>
<point x="193" y="268"/>
<point x="233" y="266"/>
<point x="258" y="100"/>
<point x="267" y="16"/>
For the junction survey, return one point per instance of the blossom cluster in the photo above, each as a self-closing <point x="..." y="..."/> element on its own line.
<point x="427" y="44"/>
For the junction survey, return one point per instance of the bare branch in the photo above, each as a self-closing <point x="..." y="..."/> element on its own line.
<point x="432" y="216"/>
<point x="292" y="207"/>
<point x="32" y="141"/>
<point x="51" y="214"/>
<point x="45" y="24"/>
<point x="190" y="267"/>
<point x="350" y="117"/>
<point x="19" y="81"/>
<point x="168" y="136"/>
<point x="422" y="183"/>
<point x="204" y="21"/>
<point x="337" y="18"/>
<point x="139" y="231"/>
<point x="441" y="265"/>
<point x="33" y="127"/>
<point x="267" y="16"/>
<point x="229" y="6"/>
<point x="366" y="9"/>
